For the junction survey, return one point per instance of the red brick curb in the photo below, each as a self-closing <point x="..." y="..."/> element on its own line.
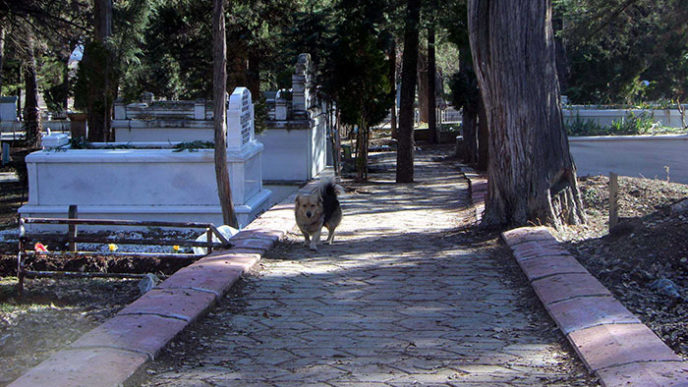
<point x="609" y="339"/>
<point x="113" y="352"/>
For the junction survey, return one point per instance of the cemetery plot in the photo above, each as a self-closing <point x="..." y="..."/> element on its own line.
<point x="28" y="249"/>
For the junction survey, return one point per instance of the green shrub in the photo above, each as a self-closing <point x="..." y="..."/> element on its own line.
<point x="581" y="127"/>
<point x="633" y="124"/>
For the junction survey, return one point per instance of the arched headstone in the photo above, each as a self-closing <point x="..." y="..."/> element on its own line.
<point x="240" y="116"/>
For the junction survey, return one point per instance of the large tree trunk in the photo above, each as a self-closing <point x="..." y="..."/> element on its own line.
<point x="32" y="117"/>
<point x="432" y="73"/>
<point x="408" y="87"/>
<point x="220" y="114"/>
<point x="531" y="175"/>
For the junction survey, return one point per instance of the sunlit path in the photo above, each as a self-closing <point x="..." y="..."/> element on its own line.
<point x="401" y="298"/>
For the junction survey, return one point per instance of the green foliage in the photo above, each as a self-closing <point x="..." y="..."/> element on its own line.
<point x="50" y="77"/>
<point x="354" y="72"/>
<point x="582" y="127"/>
<point x="90" y="75"/>
<point x="464" y="90"/>
<point x="192" y="146"/>
<point x="633" y="123"/>
<point x="623" y="52"/>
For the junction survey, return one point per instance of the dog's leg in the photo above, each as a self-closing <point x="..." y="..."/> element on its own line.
<point x="330" y="235"/>
<point x="306" y="238"/>
<point x="315" y="240"/>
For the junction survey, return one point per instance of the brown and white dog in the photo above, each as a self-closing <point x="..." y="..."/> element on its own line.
<point x="317" y="209"/>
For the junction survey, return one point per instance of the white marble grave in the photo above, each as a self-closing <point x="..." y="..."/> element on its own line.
<point x="151" y="184"/>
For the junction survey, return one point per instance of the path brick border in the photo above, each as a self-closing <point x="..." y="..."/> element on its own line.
<point x="609" y="339"/>
<point x="117" y="350"/>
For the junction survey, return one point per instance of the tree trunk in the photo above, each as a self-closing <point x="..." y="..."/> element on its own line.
<point x="362" y="152"/>
<point x="220" y="114"/>
<point x="470" y="111"/>
<point x="393" y="92"/>
<point x="32" y="117"/>
<point x="2" y="51"/>
<point x="19" y="90"/>
<point x="422" y="65"/>
<point x="531" y="175"/>
<point x="470" y="139"/>
<point x="253" y="77"/>
<point x="100" y="101"/>
<point x="404" y="173"/>
<point x="432" y="72"/>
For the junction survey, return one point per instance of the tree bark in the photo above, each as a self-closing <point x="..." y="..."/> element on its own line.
<point x="432" y="72"/>
<point x="531" y="175"/>
<point x="220" y="114"/>
<point x="32" y="117"/>
<point x="405" y="145"/>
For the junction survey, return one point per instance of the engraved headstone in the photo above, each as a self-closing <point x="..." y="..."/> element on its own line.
<point x="240" y="114"/>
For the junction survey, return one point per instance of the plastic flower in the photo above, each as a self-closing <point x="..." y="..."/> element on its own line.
<point x="112" y="247"/>
<point x="40" y="247"/>
<point x="175" y="248"/>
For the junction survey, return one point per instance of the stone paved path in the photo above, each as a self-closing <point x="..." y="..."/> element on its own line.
<point x="401" y="298"/>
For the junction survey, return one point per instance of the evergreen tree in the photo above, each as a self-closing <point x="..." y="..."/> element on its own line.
<point x="354" y="71"/>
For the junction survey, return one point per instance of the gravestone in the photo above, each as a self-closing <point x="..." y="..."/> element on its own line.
<point x="8" y="108"/>
<point x="240" y="123"/>
<point x="300" y="82"/>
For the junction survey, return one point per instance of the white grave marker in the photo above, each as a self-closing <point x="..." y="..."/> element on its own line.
<point x="240" y="114"/>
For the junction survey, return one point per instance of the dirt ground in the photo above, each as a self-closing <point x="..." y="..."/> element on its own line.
<point x="648" y="245"/>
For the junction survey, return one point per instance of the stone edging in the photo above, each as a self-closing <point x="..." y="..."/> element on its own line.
<point x="115" y="351"/>
<point x="609" y="339"/>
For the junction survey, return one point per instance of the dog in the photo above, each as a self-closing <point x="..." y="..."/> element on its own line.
<point x="317" y="209"/>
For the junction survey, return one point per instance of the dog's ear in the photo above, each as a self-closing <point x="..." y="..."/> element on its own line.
<point x="297" y="202"/>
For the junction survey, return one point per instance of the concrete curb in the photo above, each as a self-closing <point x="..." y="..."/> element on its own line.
<point x="115" y="351"/>
<point x="609" y="339"/>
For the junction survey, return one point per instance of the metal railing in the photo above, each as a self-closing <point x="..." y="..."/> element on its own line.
<point x="71" y="239"/>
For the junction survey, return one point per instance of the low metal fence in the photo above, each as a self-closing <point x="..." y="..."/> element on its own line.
<point x="71" y="240"/>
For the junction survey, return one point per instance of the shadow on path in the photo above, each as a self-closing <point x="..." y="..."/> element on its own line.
<point x="402" y="297"/>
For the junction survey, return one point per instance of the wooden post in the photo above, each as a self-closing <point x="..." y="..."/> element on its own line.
<point x="209" y="234"/>
<point x="613" y="200"/>
<point x="71" y="233"/>
<point x="20" y="253"/>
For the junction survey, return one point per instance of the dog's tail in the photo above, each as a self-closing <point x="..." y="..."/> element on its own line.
<point x="328" y="187"/>
<point x="329" y="190"/>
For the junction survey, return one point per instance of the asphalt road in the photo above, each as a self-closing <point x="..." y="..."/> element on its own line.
<point x="655" y="157"/>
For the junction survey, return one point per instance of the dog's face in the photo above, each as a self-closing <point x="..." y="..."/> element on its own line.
<point x="308" y="208"/>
